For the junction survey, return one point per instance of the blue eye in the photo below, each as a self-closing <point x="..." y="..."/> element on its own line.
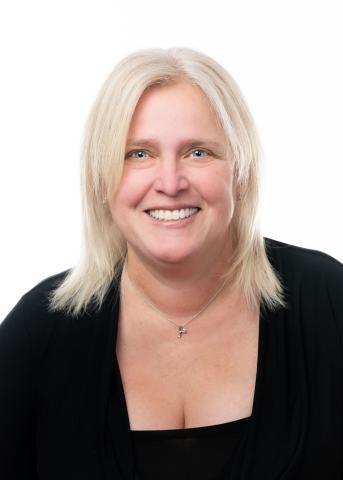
<point x="133" y="152"/>
<point x="200" y="150"/>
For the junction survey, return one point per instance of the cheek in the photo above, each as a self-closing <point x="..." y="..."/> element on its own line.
<point x="225" y="202"/>
<point x="132" y="188"/>
<point x="218" y="191"/>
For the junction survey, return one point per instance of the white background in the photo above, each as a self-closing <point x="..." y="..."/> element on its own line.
<point x="285" y="55"/>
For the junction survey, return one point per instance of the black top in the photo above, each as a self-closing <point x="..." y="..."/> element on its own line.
<point x="63" y="412"/>
<point x="202" y="453"/>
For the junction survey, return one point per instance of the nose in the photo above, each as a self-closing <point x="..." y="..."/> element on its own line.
<point x="170" y="177"/>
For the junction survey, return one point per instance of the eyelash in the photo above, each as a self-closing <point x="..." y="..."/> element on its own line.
<point x="195" y="150"/>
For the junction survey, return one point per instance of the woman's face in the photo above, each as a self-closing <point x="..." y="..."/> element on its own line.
<point x="177" y="159"/>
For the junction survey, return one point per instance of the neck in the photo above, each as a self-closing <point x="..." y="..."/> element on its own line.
<point x="179" y="291"/>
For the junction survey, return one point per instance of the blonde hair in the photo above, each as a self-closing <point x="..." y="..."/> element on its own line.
<point x="104" y="248"/>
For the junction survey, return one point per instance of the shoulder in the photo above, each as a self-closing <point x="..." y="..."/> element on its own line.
<point x="313" y="282"/>
<point x="37" y="297"/>
<point x="30" y="319"/>
<point x="304" y="263"/>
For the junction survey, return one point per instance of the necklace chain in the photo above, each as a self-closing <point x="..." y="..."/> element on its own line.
<point x="181" y="327"/>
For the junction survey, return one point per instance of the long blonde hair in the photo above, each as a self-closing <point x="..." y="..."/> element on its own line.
<point x="104" y="248"/>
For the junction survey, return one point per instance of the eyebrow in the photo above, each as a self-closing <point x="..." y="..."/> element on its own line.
<point x="191" y="142"/>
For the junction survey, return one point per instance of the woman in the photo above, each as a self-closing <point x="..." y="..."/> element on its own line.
<point x="183" y="344"/>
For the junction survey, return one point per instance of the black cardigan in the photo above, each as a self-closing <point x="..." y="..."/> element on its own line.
<point x="62" y="406"/>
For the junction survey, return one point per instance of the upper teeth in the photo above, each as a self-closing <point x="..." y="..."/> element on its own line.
<point x="172" y="214"/>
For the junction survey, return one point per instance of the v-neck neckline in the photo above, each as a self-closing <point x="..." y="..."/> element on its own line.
<point x="122" y="436"/>
<point x="117" y="415"/>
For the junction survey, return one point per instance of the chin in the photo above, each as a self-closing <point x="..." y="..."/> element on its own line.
<point x="171" y="256"/>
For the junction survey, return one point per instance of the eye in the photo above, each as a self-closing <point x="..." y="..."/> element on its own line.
<point x="133" y="153"/>
<point x="129" y="155"/>
<point x="200" y="150"/>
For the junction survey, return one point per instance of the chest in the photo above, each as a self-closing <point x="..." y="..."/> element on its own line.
<point x="184" y="385"/>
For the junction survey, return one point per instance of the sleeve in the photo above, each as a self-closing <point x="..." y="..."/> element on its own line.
<point x="17" y="419"/>
<point x="334" y="286"/>
<point x="335" y="296"/>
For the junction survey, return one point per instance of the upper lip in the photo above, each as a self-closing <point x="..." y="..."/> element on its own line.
<point x="172" y="207"/>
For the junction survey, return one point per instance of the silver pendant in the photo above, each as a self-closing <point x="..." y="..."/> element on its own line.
<point x="181" y="331"/>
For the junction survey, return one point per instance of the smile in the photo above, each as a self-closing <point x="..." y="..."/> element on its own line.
<point x="169" y="215"/>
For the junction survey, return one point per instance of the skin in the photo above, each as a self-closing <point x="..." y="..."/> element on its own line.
<point x="165" y="261"/>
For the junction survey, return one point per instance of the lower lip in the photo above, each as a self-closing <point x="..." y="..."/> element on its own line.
<point x="174" y="223"/>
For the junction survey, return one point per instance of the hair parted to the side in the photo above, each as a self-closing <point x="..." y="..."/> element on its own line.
<point x="104" y="248"/>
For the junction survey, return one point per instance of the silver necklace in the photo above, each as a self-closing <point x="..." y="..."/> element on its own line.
<point x="181" y="330"/>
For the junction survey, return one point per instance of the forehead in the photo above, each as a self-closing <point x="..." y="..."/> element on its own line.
<point x="174" y="94"/>
<point x="175" y="108"/>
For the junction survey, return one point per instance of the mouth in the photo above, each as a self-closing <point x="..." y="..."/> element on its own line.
<point x="172" y="215"/>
